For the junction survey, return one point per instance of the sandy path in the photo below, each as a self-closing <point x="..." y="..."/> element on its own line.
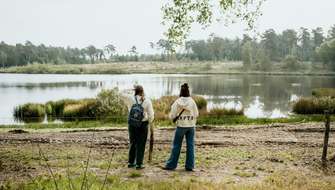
<point x="309" y="134"/>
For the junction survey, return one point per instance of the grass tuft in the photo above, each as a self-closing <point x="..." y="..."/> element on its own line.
<point x="29" y="112"/>
<point x="219" y="112"/>
<point x="314" y="105"/>
<point x="135" y="174"/>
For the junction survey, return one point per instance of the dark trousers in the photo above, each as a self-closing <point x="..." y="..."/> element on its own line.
<point x="137" y="140"/>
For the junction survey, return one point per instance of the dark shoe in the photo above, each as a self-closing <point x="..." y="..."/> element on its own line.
<point x="166" y="168"/>
<point x="140" y="167"/>
<point x="189" y="170"/>
<point x="131" y="165"/>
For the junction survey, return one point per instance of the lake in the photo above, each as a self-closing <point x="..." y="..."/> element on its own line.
<point x="259" y="95"/>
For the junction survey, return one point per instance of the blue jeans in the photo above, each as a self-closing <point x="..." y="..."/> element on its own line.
<point x="188" y="132"/>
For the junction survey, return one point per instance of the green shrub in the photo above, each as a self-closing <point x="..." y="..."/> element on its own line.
<point x="324" y="92"/>
<point x="162" y="106"/>
<point x="110" y="104"/>
<point x="218" y="112"/>
<point x="314" y="105"/>
<point x="29" y="112"/>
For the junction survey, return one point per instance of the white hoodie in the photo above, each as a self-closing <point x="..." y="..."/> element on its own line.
<point x="189" y="117"/>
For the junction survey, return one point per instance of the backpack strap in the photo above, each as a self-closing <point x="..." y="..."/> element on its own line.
<point x="176" y="118"/>
<point x="137" y="101"/>
<point x="142" y="101"/>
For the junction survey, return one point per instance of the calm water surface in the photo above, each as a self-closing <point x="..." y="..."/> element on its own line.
<point x="260" y="95"/>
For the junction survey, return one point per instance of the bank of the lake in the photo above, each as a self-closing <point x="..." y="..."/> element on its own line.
<point x="204" y="67"/>
<point x="205" y="122"/>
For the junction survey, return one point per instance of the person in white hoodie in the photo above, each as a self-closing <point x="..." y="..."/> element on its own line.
<point x="185" y="112"/>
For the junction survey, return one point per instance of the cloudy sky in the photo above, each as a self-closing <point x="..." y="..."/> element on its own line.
<point x="79" y="23"/>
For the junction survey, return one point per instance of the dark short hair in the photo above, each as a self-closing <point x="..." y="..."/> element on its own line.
<point x="138" y="90"/>
<point x="184" y="90"/>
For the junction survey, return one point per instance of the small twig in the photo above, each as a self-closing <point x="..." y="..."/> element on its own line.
<point x="29" y="175"/>
<point x="87" y="163"/>
<point x="33" y="180"/>
<point x="326" y="138"/>
<point x="71" y="187"/>
<point x="109" y="166"/>
<point x="48" y="166"/>
<point x="90" y="186"/>
<point x="151" y="144"/>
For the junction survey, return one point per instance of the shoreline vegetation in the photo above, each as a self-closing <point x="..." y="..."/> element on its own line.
<point x="94" y="112"/>
<point x="197" y="67"/>
<point x="203" y="122"/>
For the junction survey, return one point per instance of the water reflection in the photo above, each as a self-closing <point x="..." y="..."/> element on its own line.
<point x="260" y="96"/>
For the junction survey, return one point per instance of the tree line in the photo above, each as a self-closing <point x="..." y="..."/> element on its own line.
<point x="28" y="53"/>
<point x="289" y="46"/>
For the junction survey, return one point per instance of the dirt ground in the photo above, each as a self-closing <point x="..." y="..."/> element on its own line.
<point x="231" y="154"/>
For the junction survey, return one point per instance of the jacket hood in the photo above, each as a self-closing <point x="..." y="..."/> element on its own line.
<point x="187" y="118"/>
<point x="184" y="103"/>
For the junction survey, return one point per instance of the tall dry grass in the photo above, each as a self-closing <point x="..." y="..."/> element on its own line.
<point x="314" y="105"/>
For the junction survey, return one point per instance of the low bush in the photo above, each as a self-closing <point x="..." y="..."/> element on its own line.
<point x="217" y="112"/>
<point x="314" y="105"/>
<point x="162" y="106"/>
<point x="324" y="92"/>
<point x="29" y="112"/>
<point x="110" y="104"/>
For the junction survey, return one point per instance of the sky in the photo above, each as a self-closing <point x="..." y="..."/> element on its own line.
<point x="124" y="23"/>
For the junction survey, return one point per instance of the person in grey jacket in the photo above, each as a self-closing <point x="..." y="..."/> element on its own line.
<point x="185" y="110"/>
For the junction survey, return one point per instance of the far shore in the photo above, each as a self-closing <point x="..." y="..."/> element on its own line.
<point x="203" y="68"/>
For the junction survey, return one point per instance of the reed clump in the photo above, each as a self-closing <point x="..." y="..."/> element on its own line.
<point x="314" y="105"/>
<point x="30" y="112"/>
<point x="217" y="112"/>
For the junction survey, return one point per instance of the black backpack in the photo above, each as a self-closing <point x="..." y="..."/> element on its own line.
<point x="136" y="114"/>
